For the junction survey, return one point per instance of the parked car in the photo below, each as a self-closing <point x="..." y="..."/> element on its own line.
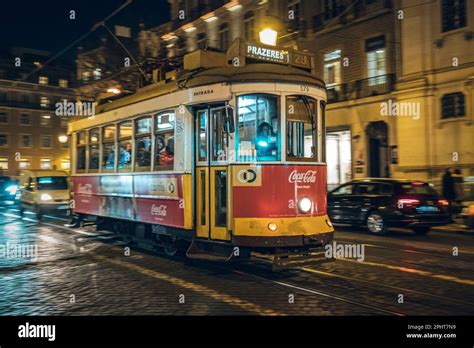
<point x="44" y="191"/>
<point x="8" y="189"/>
<point x="379" y="204"/>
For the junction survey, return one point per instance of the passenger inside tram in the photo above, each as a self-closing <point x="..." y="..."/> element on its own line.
<point x="125" y="155"/>
<point x="109" y="155"/>
<point x="167" y="154"/>
<point x="144" y="152"/>
<point x="266" y="140"/>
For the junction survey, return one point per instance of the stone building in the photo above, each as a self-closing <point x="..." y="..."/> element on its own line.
<point x="31" y="135"/>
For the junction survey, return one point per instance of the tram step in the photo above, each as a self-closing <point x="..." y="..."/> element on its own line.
<point x="290" y="260"/>
<point x="209" y="251"/>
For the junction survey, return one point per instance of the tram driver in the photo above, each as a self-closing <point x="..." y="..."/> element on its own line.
<point x="266" y="140"/>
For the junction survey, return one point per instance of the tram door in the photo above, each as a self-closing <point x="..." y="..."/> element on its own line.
<point x="211" y="174"/>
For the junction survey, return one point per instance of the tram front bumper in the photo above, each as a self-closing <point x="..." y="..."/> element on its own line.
<point x="290" y="232"/>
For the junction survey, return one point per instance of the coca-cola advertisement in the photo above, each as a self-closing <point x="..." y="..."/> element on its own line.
<point x="280" y="190"/>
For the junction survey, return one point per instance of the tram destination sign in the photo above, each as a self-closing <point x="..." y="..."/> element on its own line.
<point x="268" y="54"/>
<point x="280" y="56"/>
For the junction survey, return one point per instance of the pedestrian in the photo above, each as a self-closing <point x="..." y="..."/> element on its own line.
<point x="458" y="183"/>
<point x="448" y="189"/>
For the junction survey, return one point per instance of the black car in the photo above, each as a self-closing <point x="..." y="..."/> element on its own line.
<point x="8" y="189"/>
<point x="382" y="203"/>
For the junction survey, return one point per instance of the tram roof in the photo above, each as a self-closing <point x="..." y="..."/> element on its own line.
<point x="262" y="72"/>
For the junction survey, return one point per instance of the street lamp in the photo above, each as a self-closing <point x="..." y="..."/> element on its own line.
<point x="268" y="37"/>
<point x="62" y="139"/>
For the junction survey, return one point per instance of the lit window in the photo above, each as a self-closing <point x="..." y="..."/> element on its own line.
<point x="44" y="102"/>
<point x="86" y="76"/>
<point x="3" y="117"/>
<point x="3" y="162"/>
<point x="46" y="141"/>
<point x="164" y="141"/>
<point x="43" y="80"/>
<point x="65" y="164"/>
<point x="45" y="163"/>
<point x="97" y="73"/>
<point x="25" y="163"/>
<point x="25" y="119"/>
<point x="143" y="143"/>
<point x="63" y="83"/>
<point x="376" y="61"/>
<point x="301" y="128"/>
<point x="332" y="68"/>
<point x="45" y="120"/>
<point x="25" y="140"/>
<point x="452" y="105"/>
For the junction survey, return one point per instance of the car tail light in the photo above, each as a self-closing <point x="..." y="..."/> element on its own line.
<point x="470" y="210"/>
<point x="443" y="202"/>
<point x="407" y="202"/>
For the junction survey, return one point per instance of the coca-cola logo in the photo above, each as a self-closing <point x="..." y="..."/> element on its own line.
<point x="306" y="177"/>
<point x="84" y="189"/>
<point x="159" y="210"/>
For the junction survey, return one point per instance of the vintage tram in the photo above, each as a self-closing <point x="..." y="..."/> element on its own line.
<point x="225" y="159"/>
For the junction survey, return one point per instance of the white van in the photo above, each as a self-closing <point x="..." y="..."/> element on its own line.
<point x="44" y="191"/>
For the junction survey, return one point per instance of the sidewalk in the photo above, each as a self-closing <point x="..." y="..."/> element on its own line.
<point x="454" y="228"/>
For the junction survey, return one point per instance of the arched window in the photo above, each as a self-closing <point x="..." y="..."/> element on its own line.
<point x="249" y="26"/>
<point x="224" y="36"/>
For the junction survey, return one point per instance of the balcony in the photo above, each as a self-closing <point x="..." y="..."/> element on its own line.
<point x="370" y="87"/>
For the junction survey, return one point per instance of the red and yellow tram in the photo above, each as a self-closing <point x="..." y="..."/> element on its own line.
<point x="222" y="161"/>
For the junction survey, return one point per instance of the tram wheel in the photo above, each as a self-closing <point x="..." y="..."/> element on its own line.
<point x="170" y="251"/>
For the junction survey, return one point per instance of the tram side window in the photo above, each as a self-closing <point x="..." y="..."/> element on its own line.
<point x="258" y="128"/>
<point x="94" y="150"/>
<point x="164" y="141"/>
<point x="108" y="148"/>
<point x="81" y="151"/>
<point x="301" y="128"/>
<point x="125" y="146"/>
<point x="143" y="144"/>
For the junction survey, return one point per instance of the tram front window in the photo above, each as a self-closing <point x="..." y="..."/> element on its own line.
<point x="258" y="128"/>
<point x="301" y="128"/>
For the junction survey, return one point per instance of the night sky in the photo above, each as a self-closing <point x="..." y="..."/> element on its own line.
<point x="46" y="25"/>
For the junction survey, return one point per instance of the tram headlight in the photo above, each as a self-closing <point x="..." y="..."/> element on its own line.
<point x="46" y="197"/>
<point x="272" y="226"/>
<point x="304" y="205"/>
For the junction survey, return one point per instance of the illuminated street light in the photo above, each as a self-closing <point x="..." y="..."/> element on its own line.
<point x="268" y="37"/>
<point x="62" y="139"/>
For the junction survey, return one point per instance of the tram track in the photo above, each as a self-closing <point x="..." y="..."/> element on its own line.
<point x="302" y="288"/>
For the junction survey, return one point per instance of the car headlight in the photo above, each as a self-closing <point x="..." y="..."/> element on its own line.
<point x="304" y="205"/>
<point x="46" y="197"/>
<point x="12" y="189"/>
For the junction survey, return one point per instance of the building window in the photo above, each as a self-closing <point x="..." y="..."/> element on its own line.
<point x="97" y="73"/>
<point x="45" y="120"/>
<point x="44" y="102"/>
<point x="43" y="80"/>
<point x="25" y="98"/>
<point x="3" y="117"/>
<point x="294" y="8"/>
<point x="3" y="96"/>
<point x="202" y="41"/>
<point x="376" y="61"/>
<point x="164" y="141"/>
<point x="224" y="36"/>
<point x="4" y="163"/>
<point x="453" y="14"/>
<point x="249" y="26"/>
<point x="25" y="163"/>
<point x="452" y="105"/>
<point x="63" y="83"/>
<point x="3" y="140"/>
<point x="86" y="76"/>
<point x="65" y="164"/>
<point x="332" y="68"/>
<point x="25" y="119"/>
<point x="25" y="140"/>
<point x="46" y="141"/>
<point x="45" y="163"/>
<point x="63" y="122"/>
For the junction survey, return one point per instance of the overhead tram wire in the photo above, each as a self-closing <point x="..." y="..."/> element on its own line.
<point x="90" y="31"/>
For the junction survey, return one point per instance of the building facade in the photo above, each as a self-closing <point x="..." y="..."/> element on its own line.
<point x="398" y="73"/>
<point x="31" y="135"/>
